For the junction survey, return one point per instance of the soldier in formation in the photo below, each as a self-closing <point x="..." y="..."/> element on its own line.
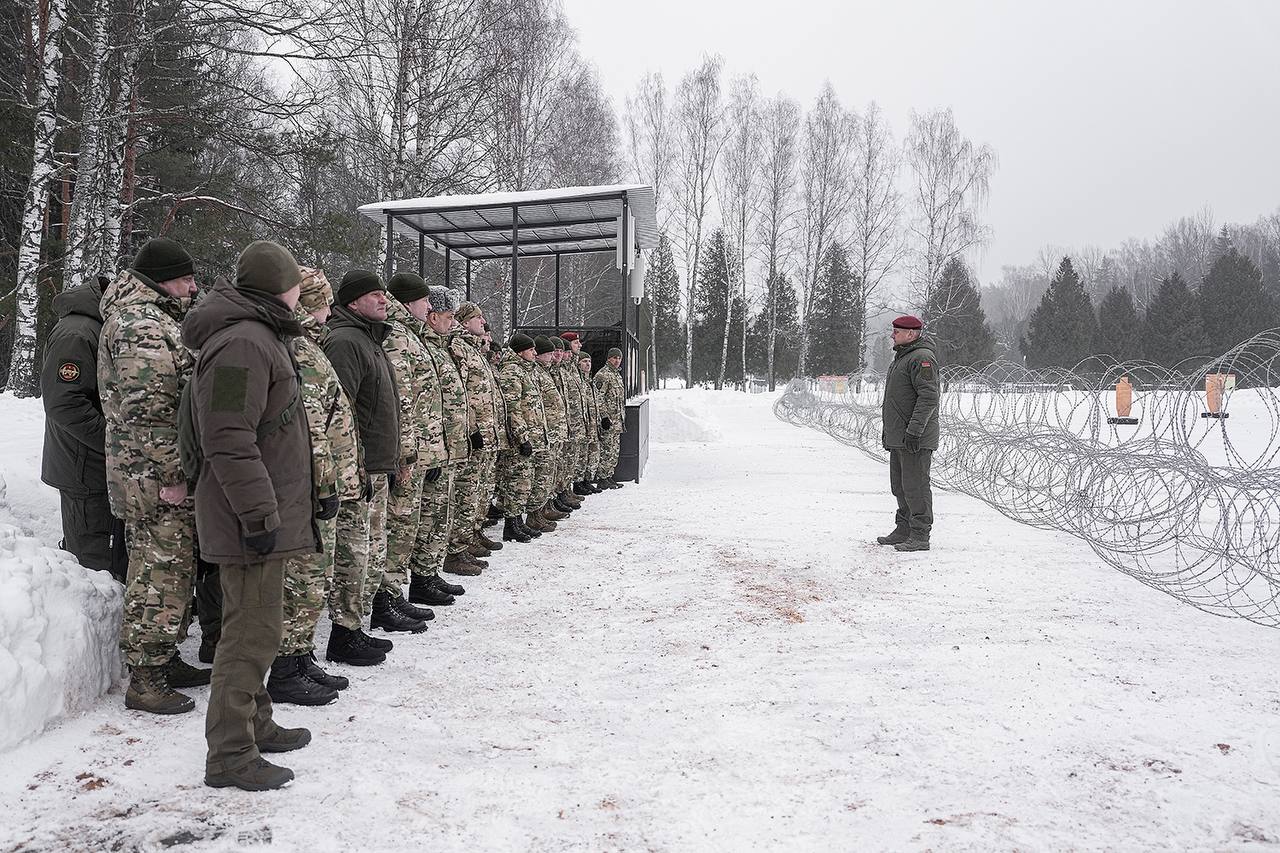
<point x="310" y="451"/>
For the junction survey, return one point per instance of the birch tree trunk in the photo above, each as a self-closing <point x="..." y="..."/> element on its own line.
<point x="22" y="367"/>
<point x="87" y="203"/>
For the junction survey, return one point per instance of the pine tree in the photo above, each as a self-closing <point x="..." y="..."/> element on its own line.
<point x="1062" y="328"/>
<point x="662" y="281"/>
<point x="1172" y="331"/>
<point x="1119" y="326"/>
<point x="711" y="298"/>
<point x="786" y="345"/>
<point x="1233" y="304"/>
<point x="834" y="344"/>
<point x="957" y="323"/>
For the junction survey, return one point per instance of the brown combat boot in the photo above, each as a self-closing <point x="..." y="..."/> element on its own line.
<point x="455" y="564"/>
<point x="551" y="513"/>
<point x="475" y="549"/>
<point x="149" y="691"/>
<point x="570" y="498"/>
<point x="545" y="520"/>
<point x="486" y="542"/>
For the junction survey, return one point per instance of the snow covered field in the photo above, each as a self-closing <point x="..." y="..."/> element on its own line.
<point x="717" y="659"/>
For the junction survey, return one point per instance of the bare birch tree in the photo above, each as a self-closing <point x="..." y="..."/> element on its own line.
<point x="951" y="177"/>
<point x="738" y="188"/>
<point x="699" y="137"/>
<point x="826" y="177"/>
<point x="876" y="244"/>
<point x="46" y="32"/>
<point x="780" y="122"/>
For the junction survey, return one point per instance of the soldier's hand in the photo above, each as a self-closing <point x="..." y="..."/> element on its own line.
<point x="261" y="544"/>
<point x="328" y="508"/>
<point x="605" y="423"/>
<point x="433" y="474"/>
<point x="392" y="479"/>
<point x="912" y="443"/>
<point x="366" y="491"/>
<point x="525" y="448"/>
<point x="477" y="440"/>
<point x="174" y="494"/>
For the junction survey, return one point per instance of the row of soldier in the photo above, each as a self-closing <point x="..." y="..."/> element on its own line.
<point x="177" y="434"/>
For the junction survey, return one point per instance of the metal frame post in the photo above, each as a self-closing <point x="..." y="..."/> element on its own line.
<point x="626" y="273"/>
<point x="422" y="255"/>
<point x="515" y="264"/>
<point x="468" y="279"/>
<point x="391" y="247"/>
<point x="557" y="293"/>
<point x="446" y="266"/>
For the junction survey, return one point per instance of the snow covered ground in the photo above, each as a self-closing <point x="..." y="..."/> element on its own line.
<point x="718" y="659"/>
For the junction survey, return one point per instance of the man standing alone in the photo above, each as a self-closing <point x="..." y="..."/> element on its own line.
<point x="910" y="417"/>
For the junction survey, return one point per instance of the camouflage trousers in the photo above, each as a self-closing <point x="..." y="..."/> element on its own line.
<point x="404" y="517"/>
<point x="575" y="459"/>
<point x="157" y="591"/>
<point x="437" y="518"/>
<point x="361" y="535"/>
<point x="592" y="461"/>
<point x="488" y="480"/>
<point x="610" y="445"/>
<point x="544" y="470"/>
<point x="307" y="579"/>
<point x="514" y="482"/>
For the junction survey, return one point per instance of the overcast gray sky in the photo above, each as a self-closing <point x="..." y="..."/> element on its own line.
<point x="1110" y="119"/>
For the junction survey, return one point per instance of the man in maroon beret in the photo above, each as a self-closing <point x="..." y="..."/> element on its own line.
<point x="910" y="419"/>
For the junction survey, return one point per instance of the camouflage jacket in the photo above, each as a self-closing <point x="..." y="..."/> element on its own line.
<point x="612" y="397"/>
<point x="591" y="408"/>
<point x="480" y="384"/>
<point x="571" y="386"/>
<point x="142" y="369"/>
<point x="450" y="395"/>
<point x="526" y="420"/>
<point x="335" y="463"/>
<point x="552" y="405"/>
<point x="421" y="411"/>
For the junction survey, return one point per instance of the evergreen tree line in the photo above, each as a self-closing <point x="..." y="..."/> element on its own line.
<point x="1185" y="322"/>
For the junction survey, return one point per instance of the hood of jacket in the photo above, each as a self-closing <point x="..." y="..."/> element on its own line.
<point x="343" y="317"/>
<point x="312" y="329"/>
<point x="397" y="313"/>
<point x="224" y="306"/>
<point x="133" y="289"/>
<point x="510" y="356"/>
<point x="85" y="300"/>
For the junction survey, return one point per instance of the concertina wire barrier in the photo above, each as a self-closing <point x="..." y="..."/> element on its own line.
<point x="1170" y="475"/>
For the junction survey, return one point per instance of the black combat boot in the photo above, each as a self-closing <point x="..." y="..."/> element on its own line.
<point x="511" y="530"/>
<point x="610" y="483"/>
<point x="913" y="544"/>
<point x="451" y="588"/>
<point x="257" y="775"/>
<point x="899" y="534"/>
<point x="407" y="610"/>
<point x="522" y="522"/>
<point x="423" y="591"/>
<point x="390" y="619"/>
<point x="563" y="505"/>
<point x="580" y="489"/>
<point x="319" y="676"/>
<point x="182" y="674"/>
<point x="208" y="647"/>
<point x="285" y="740"/>
<point x="288" y="682"/>
<point x="594" y="486"/>
<point x="347" y="646"/>
<point x="494" y="513"/>
<point x="377" y="642"/>
<point x="149" y="690"/>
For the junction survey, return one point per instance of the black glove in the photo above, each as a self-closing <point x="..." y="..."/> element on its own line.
<point x="477" y="440"/>
<point x="433" y="474"/>
<point x="605" y="423"/>
<point x="366" y="491"/>
<point x="328" y="508"/>
<point x="261" y="544"/>
<point x="525" y="448"/>
<point x="391" y="482"/>
<point x="912" y="443"/>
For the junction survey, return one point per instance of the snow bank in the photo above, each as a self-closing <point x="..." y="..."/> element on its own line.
<point x="59" y="622"/>
<point x="676" y="419"/>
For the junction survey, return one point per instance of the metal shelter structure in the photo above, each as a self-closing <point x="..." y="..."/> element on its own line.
<point x="621" y="219"/>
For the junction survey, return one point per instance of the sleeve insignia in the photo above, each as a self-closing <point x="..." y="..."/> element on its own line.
<point x="69" y="371"/>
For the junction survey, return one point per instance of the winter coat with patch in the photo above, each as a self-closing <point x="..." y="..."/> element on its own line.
<point x="256" y="475"/>
<point x="74" y="458"/>
<point x="142" y="368"/>
<point x="353" y="346"/>
<point x="911" y="396"/>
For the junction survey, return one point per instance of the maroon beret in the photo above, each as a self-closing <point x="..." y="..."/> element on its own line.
<point x="907" y="321"/>
<point x="569" y="336"/>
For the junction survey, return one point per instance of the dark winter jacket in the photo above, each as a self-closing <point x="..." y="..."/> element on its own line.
<point x="257" y="474"/>
<point x="74" y="429"/>
<point x="354" y="348"/>
<point x="911" y="396"/>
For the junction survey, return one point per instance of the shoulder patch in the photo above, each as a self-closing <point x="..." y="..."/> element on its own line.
<point x="926" y="364"/>
<point x="69" y="371"/>
<point x="230" y="388"/>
